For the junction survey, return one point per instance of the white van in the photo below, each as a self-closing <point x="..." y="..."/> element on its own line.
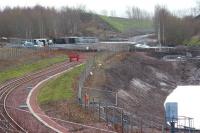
<point x="41" y="42"/>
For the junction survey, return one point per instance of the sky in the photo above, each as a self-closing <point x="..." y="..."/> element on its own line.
<point x="187" y="98"/>
<point x="119" y="6"/>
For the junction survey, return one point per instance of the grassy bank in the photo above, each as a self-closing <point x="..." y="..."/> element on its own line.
<point x="60" y="88"/>
<point x="192" y="42"/>
<point x="123" y="24"/>
<point x="27" y="68"/>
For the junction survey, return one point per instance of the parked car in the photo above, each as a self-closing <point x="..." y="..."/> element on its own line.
<point x="27" y="44"/>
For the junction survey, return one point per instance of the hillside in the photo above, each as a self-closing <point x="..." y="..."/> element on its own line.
<point x="194" y="41"/>
<point x="124" y="24"/>
<point x="105" y="27"/>
<point x="142" y="83"/>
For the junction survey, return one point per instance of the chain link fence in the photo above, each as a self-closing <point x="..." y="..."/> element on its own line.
<point x="117" y="117"/>
<point x="90" y="65"/>
<point x="69" y="119"/>
<point x="14" y="53"/>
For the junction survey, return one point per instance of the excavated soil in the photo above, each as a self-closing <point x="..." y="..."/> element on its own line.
<point x="143" y="82"/>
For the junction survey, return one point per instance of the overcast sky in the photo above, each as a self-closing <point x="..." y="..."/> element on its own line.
<point x="98" y="5"/>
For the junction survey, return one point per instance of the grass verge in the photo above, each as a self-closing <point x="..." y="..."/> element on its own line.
<point x="192" y="42"/>
<point x="60" y="88"/>
<point x="27" y="68"/>
<point x="123" y="24"/>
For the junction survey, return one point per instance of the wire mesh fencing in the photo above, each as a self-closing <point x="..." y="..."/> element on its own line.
<point x="89" y="67"/>
<point x="106" y="119"/>
<point x="13" y="53"/>
<point x="69" y="119"/>
<point x="117" y="117"/>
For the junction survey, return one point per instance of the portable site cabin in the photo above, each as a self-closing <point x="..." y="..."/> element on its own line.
<point x="87" y="40"/>
<point x="42" y="41"/>
<point x="75" y="40"/>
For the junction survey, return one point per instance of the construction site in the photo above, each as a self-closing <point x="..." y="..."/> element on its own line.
<point x="140" y="92"/>
<point x="120" y="88"/>
<point x="72" y="69"/>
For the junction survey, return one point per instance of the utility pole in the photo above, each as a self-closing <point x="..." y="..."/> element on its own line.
<point x="30" y="33"/>
<point x="116" y="98"/>
<point x="26" y="35"/>
<point x="159" y="36"/>
<point x="163" y="27"/>
<point x="99" y="110"/>
<point x="122" y="121"/>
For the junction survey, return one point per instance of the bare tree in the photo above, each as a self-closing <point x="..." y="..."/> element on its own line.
<point x="40" y="22"/>
<point x="198" y="7"/>
<point x="137" y="14"/>
<point x="104" y="12"/>
<point x="173" y="29"/>
<point x="113" y="13"/>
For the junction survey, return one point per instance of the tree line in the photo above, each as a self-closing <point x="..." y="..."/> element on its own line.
<point x="137" y="14"/>
<point x="41" y="22"/>
<point x="175" y="29"/>
<point x="172" y="28"/>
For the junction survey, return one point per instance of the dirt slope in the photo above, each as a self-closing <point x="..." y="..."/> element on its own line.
<point x="143" y="82"/>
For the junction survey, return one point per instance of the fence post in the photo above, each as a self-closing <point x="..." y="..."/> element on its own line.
<point x="93" y="104"/>
<point x="141" y="124"/>
<point x="106" y="111"/>
<point x="86" y="99"/>
<point x="131" y="123"/>
<point x="162" y="129"/>
<point x="113" y="116"/>
<point x="80" y="94"/>
<point x="122" y="120"/>
<point x="99" y="110"/>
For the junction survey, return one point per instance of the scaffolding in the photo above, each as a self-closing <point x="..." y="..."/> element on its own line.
<point x="182" y="124"/>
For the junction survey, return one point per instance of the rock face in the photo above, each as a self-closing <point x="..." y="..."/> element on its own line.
<point x="143" y="83"/>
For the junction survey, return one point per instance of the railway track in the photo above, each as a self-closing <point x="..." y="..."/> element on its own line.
<point x="7" y="122"/>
